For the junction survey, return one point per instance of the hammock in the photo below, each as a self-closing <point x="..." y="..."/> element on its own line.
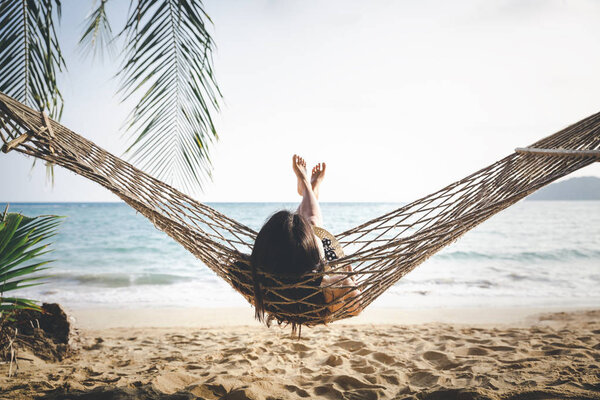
<point x="381" y="251"/>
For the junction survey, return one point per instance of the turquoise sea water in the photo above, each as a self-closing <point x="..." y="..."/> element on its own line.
<point x="532" y="254"/>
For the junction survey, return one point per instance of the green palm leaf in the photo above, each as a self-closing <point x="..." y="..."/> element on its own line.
<point x="30" y="54"/>
<point x="167" y="65"/>
<point x="97" y="36"/>
<point x="168" y="62"/>
<point x="22" y="241"/>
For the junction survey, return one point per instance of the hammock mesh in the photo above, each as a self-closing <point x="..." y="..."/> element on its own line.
<point x="381" y="251"/>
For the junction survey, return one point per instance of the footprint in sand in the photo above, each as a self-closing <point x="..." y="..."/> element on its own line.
<point x="439" y="360"/>
<point x="328" y="391"/>
<point x="307" y="371"/>
<point x="557" y="352"/>
<point x="91" y="372"/>
<point x="501" y="348"/>
<point x="384" y="358"/>
<point x="477" y="351"/>
<point x="172" y="358"/>
<point x="551" y="336"/>
<point x="364" y="370"/>
<point x="347" y="382"/>
<point x="450" y="338"/>
<point x="300" y="347"/>
<point x="350" y="345"/>
<point x="363" y="352"/>
<point x="296" y="390"/>
<point x="234" y="351"/>
<point x="472" y="351"/>
<point x="423" y="379"/>
<point x="110" y="380"/>
<point x="391" y="379"/>
<point x="334" y="360"/>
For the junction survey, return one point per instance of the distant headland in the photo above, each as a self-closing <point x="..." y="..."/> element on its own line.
<point x="583" y="188"/>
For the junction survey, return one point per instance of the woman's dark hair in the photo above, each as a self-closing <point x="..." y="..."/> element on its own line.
<point x="285" y="247"/>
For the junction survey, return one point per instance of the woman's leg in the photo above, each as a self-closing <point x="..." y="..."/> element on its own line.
<point x="318" y="173"/>
<point x="309" y="206"/>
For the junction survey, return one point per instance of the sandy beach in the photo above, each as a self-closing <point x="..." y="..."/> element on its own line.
<point x="172" y="354"/>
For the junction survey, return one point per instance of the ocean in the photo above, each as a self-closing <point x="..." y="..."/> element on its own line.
<point x="534" y="254"/>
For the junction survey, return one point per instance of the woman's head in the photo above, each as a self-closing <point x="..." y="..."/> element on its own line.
<point x="285" y="246"/>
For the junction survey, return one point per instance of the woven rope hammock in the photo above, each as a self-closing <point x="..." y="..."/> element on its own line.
<point x="381" y="251"/>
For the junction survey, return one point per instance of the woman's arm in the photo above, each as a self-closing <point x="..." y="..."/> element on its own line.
<point x="339" y="292"/>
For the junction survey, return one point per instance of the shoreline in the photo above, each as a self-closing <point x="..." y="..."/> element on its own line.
<point x="109" y="318"/>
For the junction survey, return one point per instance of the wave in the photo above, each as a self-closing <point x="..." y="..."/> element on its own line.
<point x="553" y="255"/>
<point x="448" y="282"/>
<point x="116" y="280"/>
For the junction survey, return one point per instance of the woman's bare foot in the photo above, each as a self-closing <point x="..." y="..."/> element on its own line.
<point x="318" y="173"/>
<point x="299" y="167"/>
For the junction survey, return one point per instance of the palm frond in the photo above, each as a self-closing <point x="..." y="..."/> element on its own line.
<point x="30" y="54"/>
<point x="97" y="36"/>
<point x="168" y="63"/>
<point x="22" y="241"/>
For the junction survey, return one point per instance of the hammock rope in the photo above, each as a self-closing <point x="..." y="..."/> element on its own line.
<point x="381" y="251"/>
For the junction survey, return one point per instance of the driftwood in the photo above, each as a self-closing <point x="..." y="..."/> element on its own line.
<point x="381" y="251"/>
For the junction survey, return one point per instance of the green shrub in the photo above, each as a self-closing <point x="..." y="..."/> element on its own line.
<point x="22" y="241"/>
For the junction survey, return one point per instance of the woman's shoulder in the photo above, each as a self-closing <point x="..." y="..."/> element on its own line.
<point x="336" y="280"/>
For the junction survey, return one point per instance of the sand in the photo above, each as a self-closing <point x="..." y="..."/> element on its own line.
<point x="526" y="356"/>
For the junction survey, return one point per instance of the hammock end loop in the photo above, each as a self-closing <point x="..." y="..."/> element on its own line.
<point x="559" y="152"/>
<point x="15" y="142"/>
<point x="11" y="145"/>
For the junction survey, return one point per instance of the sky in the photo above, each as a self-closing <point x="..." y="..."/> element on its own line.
<point x="399" y="98"/>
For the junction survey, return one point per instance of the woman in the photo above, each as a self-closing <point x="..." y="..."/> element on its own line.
<point x="293" y="244"/>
